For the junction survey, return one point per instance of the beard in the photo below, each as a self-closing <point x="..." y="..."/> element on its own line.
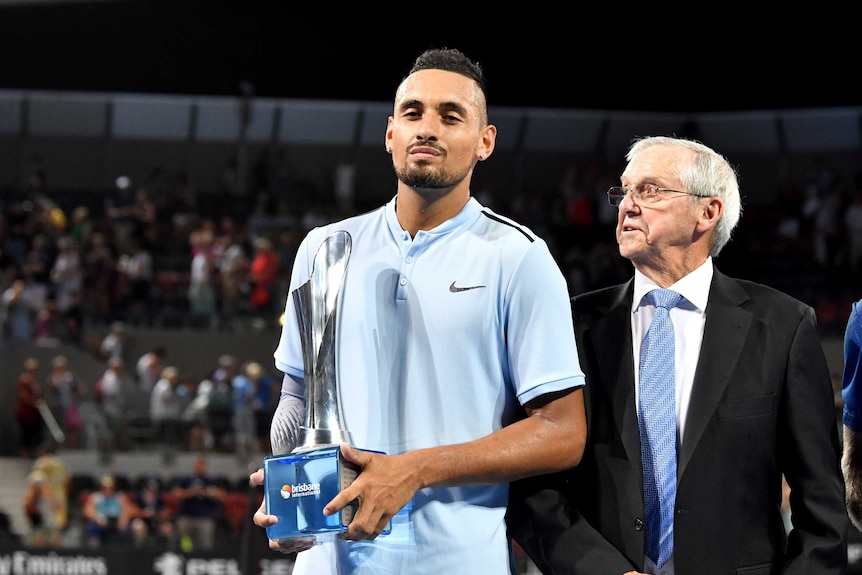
<point x="423" y="176"/>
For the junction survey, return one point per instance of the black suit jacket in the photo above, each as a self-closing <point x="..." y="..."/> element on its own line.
<point x="762" y="405"/>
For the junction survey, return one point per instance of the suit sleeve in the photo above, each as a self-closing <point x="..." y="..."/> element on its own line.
<point x="542" y="520"/>
<point x="811" y="455"/>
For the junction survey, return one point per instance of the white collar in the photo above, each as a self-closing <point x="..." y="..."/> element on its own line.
<point x="694" y="287"/>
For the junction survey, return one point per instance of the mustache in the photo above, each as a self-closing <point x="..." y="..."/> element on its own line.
<point x="425" y="145"/>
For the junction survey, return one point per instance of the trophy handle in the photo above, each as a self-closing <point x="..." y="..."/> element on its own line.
<point x="316" y="304"/>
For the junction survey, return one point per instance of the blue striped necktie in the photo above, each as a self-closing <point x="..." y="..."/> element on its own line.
<point x="657" y="424"/>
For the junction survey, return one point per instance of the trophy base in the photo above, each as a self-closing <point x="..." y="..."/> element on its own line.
<point x="296" y="488"/>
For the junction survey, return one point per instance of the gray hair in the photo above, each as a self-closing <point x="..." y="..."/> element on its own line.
<point x="709" y="175"/>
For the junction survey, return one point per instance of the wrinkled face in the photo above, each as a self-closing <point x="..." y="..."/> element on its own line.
<point x="661" y="232"/>
<point x="435" y="133"/>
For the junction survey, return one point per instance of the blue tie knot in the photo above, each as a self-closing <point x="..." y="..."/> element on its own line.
<point x="666" y="298"/>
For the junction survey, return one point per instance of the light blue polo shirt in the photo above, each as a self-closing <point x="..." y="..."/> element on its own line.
<point x="441" y="337"/>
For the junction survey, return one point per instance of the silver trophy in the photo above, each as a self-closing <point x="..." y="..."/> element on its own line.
<point x="298" y="485"/>
<point x="316" y="304"/>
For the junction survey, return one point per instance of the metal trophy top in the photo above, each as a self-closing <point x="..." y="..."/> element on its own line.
<point x="316" y="304"/>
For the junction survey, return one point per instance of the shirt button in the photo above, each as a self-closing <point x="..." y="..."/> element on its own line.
<point x="409" y="259"/>
<point x="403" y="281"/>
<point x="639" y="524"/>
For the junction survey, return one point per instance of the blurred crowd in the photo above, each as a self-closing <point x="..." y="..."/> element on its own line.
<point x="151" y="406"/>
<point x="192" y="511"/>
<point x="62" y="268"/>
<point x="161" y="254"/>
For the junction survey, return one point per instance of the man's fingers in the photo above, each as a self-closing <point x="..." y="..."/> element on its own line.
<point x="256" y="478"/>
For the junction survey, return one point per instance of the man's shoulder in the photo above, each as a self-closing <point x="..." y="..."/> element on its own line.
<point x="598" y="296"/>
<point x="502" y="223"/>
<point x="758" y="293"/>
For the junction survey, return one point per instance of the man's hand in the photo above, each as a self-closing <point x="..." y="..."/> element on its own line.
<point x="384" y="486"/>
<point x="261" y="519"/>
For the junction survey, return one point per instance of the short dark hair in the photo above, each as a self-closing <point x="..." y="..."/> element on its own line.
<point x="450" y="60"/>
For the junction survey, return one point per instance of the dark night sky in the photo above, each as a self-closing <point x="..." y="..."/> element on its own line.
<point x="555" y="59"/>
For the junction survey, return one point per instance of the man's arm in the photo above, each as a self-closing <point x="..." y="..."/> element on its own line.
<point x="550" y="438"/>
<point x="543" y="520"/>
<point x="288" y="418"/>
<point x="284" y="437"/>
<point x="812" y="452"/>
<point x="851" y="465"/>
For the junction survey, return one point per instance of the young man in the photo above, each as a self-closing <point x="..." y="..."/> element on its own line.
<point x="750" y="400"/>
<point x="453" y="324"/>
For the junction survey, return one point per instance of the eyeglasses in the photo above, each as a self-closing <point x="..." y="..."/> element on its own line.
<point x="642" y="193"/>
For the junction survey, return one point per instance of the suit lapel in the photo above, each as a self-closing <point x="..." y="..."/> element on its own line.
<point x="612" y="340"/>
<point x="725" y="331"/>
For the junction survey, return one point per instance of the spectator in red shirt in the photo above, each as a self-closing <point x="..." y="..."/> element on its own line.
<point x="263" y="275"/>
<point x="30" y="424"/>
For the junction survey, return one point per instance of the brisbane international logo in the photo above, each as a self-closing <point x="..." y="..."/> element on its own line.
<point x="300" y="490"/>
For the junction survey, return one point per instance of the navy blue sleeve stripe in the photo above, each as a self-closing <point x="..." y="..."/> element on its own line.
<point x="510" y="224"/>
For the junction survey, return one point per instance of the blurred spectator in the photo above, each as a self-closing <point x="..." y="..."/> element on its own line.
<point x="45" y="324"/>
<point x="100" y="278"/>
<point x="67" y="273"/>
<point x="81" y="227"/>
<point x="259" y="222"/>
<point x="43" y="510"/>
<point x="71" y="321"/>
<point x="195" y="418"/>
<point x="234" y="268"/>
<point x="133" y="216"/>
<point x="53" y="219"/>
<point x="109" y="397"/>
<point x="136" y="269"/>
<point x="18" y="230"/>
<point x="263" y="277"/>
<point x="826" y="230"/>
<point x="142" y="214"/>
<point x="245" y="404"/>
<point x="37" y="263"/>
<point x="153" y="525"/>
<point x="267" y="392"/>
<point x="344" y="185"/>
<point x="288" y="244"/>
<point x="112" y="345"/>
<point x="107" y="514"/>
<point x="201" y="292"/>
<point x="31" y="427"/>
<point x="63" y="397"/>
<point x="149" y="368"/>
<point x="56" y="481"/>
<point x="200" y="503"/>
<point x="94" y="431"/>
<point x="166" y="407"/>
<point x="220" y="404"/>
<point x="22" y="300"/>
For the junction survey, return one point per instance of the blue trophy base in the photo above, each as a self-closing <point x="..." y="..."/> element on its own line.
<point x="296" y="488"/>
